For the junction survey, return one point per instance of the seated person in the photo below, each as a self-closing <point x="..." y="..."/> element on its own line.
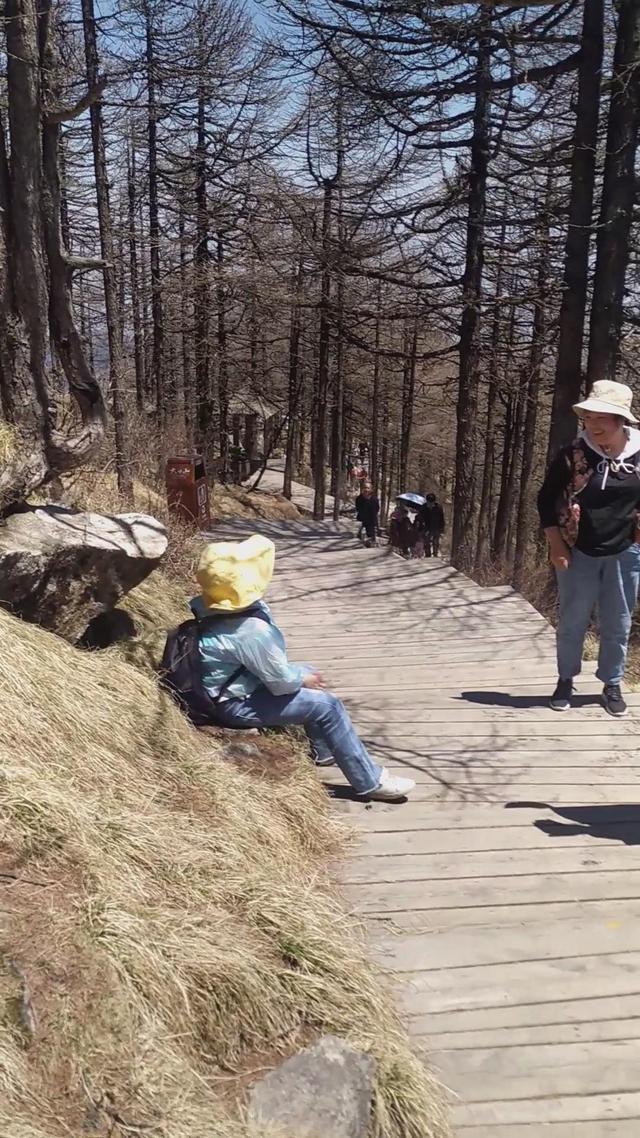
<point x="246" y="669"/>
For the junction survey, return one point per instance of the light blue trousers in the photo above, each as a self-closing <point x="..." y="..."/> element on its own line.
<point x="325" y="720"/>
<point x="610" y="586"/>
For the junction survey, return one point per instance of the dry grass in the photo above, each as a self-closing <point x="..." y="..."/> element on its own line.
<point x="166" y="918"/>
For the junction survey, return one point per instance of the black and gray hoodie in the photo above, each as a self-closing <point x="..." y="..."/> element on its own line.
<point x="608" y="503"/>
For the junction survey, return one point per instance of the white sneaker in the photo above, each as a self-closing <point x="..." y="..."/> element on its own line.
<point x="390" y="788"/>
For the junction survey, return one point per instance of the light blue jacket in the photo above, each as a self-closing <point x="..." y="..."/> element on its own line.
<point x="248" y="641"/>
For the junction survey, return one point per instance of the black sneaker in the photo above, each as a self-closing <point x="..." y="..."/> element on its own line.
<point x="612" y="700"/>
<point x="561" y="698"/>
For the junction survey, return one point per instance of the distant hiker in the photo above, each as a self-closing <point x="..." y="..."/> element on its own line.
<point x="402" y="534"/>
<point x="430" y="521"/>
<point x="367" y="513"/>
<point x="588" y="507"/>
<point x="248" y="678"/>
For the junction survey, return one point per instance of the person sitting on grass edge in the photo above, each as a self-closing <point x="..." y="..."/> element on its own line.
<point x="247" y="672"/>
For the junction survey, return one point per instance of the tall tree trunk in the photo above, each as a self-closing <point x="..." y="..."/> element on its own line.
<point x="157" y="359"/>
<point x="136" y="314"/>
<point x="463" y="542"/>
<point x="223" y="377"/>
<point x="320" y="414"/>
<point x="9" y="372"/>
<point x="408" y="398"/>
<point x="618" y="196"/>
<point x="536" y="356"/>
<point x="338" y="415"/>
<point x="384" y="454"/>
<point x="568" y="378"/>
<point x="294" y="369"/>
<point x="512" y="423"/>
<point x="202" y="286"/>
<point x="488" y="468"/>
<point x="186" y="318"/>
<point x="375" y="399"/>
<point x="107" y="248"/>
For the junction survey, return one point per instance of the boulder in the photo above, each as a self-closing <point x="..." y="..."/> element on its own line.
<point x="322" y="1092"/>
<point x="60" y="568"/>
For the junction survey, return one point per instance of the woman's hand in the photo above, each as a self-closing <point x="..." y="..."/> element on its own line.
<point x="559" y="552"/>
<point x="560" y="555"/>
<point x="314" y="680"/>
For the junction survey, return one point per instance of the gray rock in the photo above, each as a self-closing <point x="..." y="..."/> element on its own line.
<point x="59" y="568"/>
<point x="323" y="1092"/>
<point x="241" y="750"/>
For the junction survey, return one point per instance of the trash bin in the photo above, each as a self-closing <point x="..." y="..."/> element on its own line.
<point x="188" y="490"/>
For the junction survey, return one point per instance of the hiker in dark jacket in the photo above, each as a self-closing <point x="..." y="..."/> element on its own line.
<point x="245" y="668"/>
<point x="588" y="507"/>
<point x="367" y="513"/>
<point x="430" y="521"/>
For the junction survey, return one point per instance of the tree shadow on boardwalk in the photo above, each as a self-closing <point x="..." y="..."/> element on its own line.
<point x="614" y="823"/>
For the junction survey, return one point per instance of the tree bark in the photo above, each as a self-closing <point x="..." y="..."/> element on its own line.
<point x="8" y="317"/>
<point x="136" y="315"/>
<point x="568" y="377"/>
<point x="38" y="266"/>
<point x="375" y="398"/>
<point x="320" y="416"/>
<point x="512" y="433"/>
<point x="223" y="377"/>
<point x="536" y="356"/>
<point x="157" y="358"/>
<point x="618" y="196"/>
<point x="107" y="249"/>
<point x="202" y="287"/>
<point x="294" y="380"/>
<point x="408" y="398"/>
<point x="186" y="318"/>
<point x="463" y="542"/>
<point x="488" y="469"/>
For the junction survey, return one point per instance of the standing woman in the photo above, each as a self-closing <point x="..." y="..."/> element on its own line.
<point x="588" y="507"/>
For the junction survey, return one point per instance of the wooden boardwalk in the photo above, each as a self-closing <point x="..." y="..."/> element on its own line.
<point x="505" y="895"/>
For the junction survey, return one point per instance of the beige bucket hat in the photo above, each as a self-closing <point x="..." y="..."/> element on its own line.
<point x="608" y="398"/>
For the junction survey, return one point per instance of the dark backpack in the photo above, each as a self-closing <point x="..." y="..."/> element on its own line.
<point x="181" y="666"/>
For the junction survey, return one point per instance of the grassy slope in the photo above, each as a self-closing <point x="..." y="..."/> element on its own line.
<point x="165" y="916"/>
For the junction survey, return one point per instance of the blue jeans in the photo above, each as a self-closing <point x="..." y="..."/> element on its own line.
<point x="325" y="720"/>
<point x="611" y="585"/>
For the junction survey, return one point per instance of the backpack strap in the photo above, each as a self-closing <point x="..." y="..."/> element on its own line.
<point x="220" y="618"/>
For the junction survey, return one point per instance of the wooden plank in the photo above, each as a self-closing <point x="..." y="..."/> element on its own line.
<point x="538" y="1111"/>
<point x="488" y="839"/>
<point x="488" y="986"/>
<point x="565" y="1070"/>
<point x="518" y="1039"/>
<point x="514" y="1017"/>
<point x="506" y="945"/>
<point x="513" y="863"/>
<point x="540" y="888"/>
<point x="436" y="816"/>
<point x="602" y="1128"/>
<point x="497" y="916"/>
